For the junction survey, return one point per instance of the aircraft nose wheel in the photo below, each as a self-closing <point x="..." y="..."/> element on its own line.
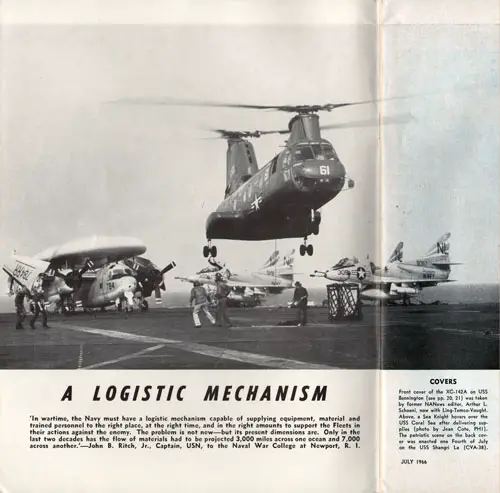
<point x="209" y="251"/>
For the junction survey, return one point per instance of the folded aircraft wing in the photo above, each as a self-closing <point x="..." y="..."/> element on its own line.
<point x="25" y="270"/>
<point x="93" y="249"/>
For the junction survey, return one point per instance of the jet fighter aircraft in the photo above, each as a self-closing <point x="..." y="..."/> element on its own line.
<point x="399" y="280"/>
<point x="275" y="275"/>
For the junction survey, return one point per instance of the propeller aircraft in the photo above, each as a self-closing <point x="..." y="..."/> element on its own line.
<point x="90" y="272"/>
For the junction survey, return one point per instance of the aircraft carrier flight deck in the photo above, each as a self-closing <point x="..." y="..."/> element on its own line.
<point x="464" y="336"/>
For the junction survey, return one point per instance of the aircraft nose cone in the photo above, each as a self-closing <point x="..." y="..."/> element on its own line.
<point x="319" y="175"/>
<point x="129" y="284"/>
<point x="337" y="276"/>
<point x="322" y="169"/>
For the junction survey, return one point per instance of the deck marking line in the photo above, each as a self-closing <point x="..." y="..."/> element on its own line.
<point x="125" y="357"/>
<point x="203" y="349"/>
<point x="464" y="332"/>
<point x="80" y="357"/>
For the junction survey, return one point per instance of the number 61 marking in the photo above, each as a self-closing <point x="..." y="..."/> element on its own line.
<point x="324" y="170"/>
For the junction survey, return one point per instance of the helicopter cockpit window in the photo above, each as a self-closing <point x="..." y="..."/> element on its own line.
<point x="323" y="151"/>
<point x="303" y="153"/>
<point x="318" y="153"/>
<point x="328" y="151"/>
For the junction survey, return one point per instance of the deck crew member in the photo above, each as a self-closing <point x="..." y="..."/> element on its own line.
<point x="221" y="294"/>
<point x="300" y="302"/>
<point x="38" y="304"/>
<point x="199" y="300"/>
<point x="19" y="304"/>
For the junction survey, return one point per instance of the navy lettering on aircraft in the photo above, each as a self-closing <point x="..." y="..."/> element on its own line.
<point x="443" y="248"/>
<point x="22" y="272"/>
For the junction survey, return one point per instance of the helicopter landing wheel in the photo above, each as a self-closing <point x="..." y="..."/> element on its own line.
<point x="305" y="248"/>
<point x="209" y="251"/>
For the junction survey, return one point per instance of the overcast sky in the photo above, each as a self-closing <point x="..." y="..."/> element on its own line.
<point x="73" y="165"/>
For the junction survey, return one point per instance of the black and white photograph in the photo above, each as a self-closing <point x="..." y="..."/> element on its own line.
<point x="193" y="192"/>
<point x="216" y="196"/>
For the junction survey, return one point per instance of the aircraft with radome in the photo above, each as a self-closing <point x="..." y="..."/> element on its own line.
<point x="248" y="287"/>
<point x="283" y="198"/>
<point x="398" y="280"/>
<point x="92" y="272"/>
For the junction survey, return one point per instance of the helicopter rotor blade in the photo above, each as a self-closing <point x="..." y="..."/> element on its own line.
<point x="238" y="134"/>
<point x="301" y="108"/>
<point x="187" y="102"/>
<point x="389" y="120"/>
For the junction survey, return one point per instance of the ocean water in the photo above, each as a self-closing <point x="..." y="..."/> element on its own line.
<point x="446" y="293"/>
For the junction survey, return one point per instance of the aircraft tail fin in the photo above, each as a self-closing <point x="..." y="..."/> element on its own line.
<point x="397" y="254"/>
<point x="289" y="258"/>
<point x="284" y="267"/>
<point x="280" y="266"/>
<point x="272" y="260"/>
<point x="241" y="163"/>
<point x="439" y="253"/>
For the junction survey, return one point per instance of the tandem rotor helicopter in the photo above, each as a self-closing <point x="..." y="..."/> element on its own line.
<point x="281" y="199"/>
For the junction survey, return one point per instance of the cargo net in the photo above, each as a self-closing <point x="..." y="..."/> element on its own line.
<point x="343" y="301"/>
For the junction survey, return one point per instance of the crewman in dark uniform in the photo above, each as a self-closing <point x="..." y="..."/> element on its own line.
<point x="38" y="304"/>
<point x="221" y="294"/>
<point x="300" y="302"/>
<point x="20" y="310"/>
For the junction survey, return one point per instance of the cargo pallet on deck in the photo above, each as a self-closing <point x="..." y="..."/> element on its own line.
<point x="344" y="302"/>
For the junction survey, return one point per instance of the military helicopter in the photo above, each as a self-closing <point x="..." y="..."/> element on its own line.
<point x="281" y="199"/>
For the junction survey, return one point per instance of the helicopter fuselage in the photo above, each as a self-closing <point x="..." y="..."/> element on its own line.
<point x="281" y="200"/>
